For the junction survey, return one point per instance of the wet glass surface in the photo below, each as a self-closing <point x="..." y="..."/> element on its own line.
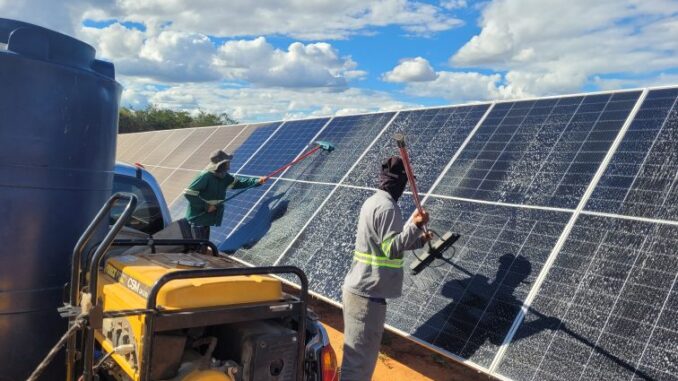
<point x="260" y="133"/>
<point x="642" y="177"/>
<point x="432" y="137"/>
<point x="325" y="249"/>
<point x="283" y="147"/>
<point x="275" y="221"/>
<point x="608" y="309"/>
<point x="467" y="303"/>
<point x="350" y="136"/>
<point x="542" y="152"/>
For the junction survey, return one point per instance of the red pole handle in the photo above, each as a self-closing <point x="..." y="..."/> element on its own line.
<point x="400" y="139"/>
<point x="300" y="158"/>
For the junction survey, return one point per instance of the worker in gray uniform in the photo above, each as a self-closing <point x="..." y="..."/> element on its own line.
<point x="377" y="270"/>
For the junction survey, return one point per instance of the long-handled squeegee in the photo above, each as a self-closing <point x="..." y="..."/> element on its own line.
<point x="320" y="145"/>
<point x="444" y="242"/>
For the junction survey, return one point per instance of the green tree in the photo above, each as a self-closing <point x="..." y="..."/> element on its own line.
<point x="154" y="118"/>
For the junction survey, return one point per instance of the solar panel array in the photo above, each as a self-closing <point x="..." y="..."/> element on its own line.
<point x="567" y="209"/>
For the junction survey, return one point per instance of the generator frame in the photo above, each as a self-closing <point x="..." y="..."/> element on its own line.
<point x="155" y="317"/>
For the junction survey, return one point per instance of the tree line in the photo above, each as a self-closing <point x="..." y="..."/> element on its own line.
<point x="155" y="118"/>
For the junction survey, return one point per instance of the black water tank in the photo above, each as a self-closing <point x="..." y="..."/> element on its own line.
<point x="58" y="127"/>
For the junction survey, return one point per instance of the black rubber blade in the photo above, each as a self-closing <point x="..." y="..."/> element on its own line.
<point x="435" y="251"/>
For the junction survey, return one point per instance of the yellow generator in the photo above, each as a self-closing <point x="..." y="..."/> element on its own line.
<point x="162" y="310"/>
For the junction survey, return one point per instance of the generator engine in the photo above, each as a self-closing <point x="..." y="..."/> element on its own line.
<point x="235" y="328"/>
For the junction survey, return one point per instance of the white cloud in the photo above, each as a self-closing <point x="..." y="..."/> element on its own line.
<point x="250" y="104"/>
<point x="458" y="87"/>
<point x="311" y="65"/>
<point x="453" y="4"/>
<point x="167" y="56"/>
<point x="295" y="18"/>
<point x="557" y="47"/>
<point x="411" y="70"/>
<point x="63" y="16"/>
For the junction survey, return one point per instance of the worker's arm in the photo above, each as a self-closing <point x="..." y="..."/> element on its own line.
<point x="240" y="182"/>
<point x="192" y="193"/>
<point x="395" y="238"/>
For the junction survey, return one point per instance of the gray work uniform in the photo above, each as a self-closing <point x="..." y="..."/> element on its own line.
<point x="376" y="274"/>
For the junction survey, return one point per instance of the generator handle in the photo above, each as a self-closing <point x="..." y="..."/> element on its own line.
<point x="89" y="233"/>
<point x="76" y="269"/>
<point x="211" y="273"/>
<point x="167" y="242"/>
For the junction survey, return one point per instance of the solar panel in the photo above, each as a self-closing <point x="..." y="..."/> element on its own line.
<point x="466" y="307"/>
<point x="642" y="178"/>
<point x="344" y="134"/>
<point x="220" y="139"/>
<point x="123" y="144"/>
<point x="433" y="136"/>
<point x="605" y="303"/>
<point x="541" y="152"/>
<point x="283" y="146"/>
<point x="235" y="209"/>
<point x="173" y="187"/>
<point x="324" y="250"/>
<point x="159" y="152"/>
<point x="160" y="174"/>
<point x="275" y="221"/>
<point x="260" y="133"/>
<point x="607" y="310"/>
<point x="350" y="135"/>
<point x="132" y="146"/>
<point x="188" y="146"/>
<point x="147" y="142"/>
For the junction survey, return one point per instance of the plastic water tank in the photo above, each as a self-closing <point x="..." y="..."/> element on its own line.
<point x="58" y="127"/>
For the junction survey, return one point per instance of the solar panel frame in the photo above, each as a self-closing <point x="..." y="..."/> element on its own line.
<point x="577" y="211"/>
<point x="630" y="270"/>
<point x="254" y="201"/>
<point x="350" y="135"/>
<point x="637" y="182"/>
<point x="286" y="144"/>
<point x="566" y="231"/>
<point x="499" y="163"/>
<point x="432" y="135"/>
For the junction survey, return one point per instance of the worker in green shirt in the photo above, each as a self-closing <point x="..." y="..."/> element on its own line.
<point x="207" y="192"/>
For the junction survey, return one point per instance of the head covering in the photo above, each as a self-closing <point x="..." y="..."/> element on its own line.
<point x="392" y="177"/>
<point x="217" y="159"/>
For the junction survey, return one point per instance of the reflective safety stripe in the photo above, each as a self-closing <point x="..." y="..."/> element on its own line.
<point x="191" y="192"/>
<point x="386" y="246"/>
<point x="378" y="261"/>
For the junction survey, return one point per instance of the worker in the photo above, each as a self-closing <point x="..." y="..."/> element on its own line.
<point x="207" y="193"/>
<point x="376" y="273"/>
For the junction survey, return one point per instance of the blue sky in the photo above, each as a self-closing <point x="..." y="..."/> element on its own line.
<point x="269" y="60"/>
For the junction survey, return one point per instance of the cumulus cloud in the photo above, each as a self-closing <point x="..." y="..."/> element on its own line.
<point x="167" y="55"/>
<point x="453" y="4"/>
<point x="295" y="18"/>
<point x="457" y="87"/>
<point x="251" y="104"/>
<point x="311" y="65"/>
<point x="556" y="47"/>
<point x="411" y="70"/>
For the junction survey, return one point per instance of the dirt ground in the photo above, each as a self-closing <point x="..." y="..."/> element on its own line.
<point x="400" y="358"/>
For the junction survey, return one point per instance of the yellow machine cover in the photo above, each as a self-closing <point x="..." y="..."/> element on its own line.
<point x="138" y="274"/>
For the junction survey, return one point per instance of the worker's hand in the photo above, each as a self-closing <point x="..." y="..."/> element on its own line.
<point x="263" y="180"/>
<point x="426" y="236"/>
<point x="211" y="208"/>
<point x="420" y="219"/>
